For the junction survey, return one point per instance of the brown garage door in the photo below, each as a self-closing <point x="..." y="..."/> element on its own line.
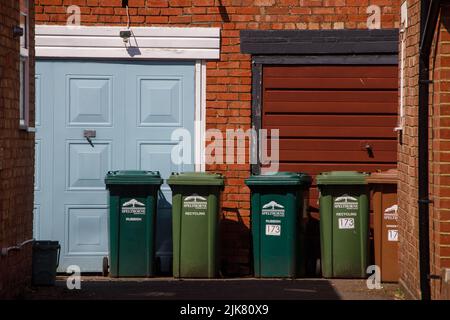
<point x="332" y="117"/>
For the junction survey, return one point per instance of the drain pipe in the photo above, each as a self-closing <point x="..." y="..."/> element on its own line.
<point x="5" y="251"/>
<point x="429" y="11"/>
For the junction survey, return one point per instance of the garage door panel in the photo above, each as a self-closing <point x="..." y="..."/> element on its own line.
<point x="334" y="131"/>
<point x="318" y="167"/>
<point x="328" y="71"/>
<point x="38" y="98"/>
<point x="337" y="156"/>
<point x="44" y="146"/>
<point x="331" y="83"/>
<point x="87" y="165"/>
<point x="86" y="227"/>
<point x="321" y="107"/>
<point x="336" y="144"/>
<point x="160" y="101"/>
<point x="330" y="96"/>
<point x="156" y="155"/>
<point x="331" y="120"/>
<point x="37" y="164"/>
<point x="90" y="100"/>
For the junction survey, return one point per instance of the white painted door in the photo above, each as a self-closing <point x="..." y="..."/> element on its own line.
<point x="131" y="109"/>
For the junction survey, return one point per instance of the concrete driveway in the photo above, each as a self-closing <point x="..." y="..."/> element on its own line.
<point x="99" y="288"/>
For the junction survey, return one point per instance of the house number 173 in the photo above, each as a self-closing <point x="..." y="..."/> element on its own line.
<point x="273" y="230"/>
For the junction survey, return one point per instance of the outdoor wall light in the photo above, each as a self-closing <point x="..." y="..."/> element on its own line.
<point x="125" y="35"/>
<point x="17" y="32"/>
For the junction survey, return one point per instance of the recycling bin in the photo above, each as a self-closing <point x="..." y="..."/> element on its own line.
<point x="344" y="224"/>
<point x="45" y="260"/>
<point x="383" y="190"/>
<point x="195" y="224"/>
<point x="132" y="215"/>
<point x="279" y="203"/>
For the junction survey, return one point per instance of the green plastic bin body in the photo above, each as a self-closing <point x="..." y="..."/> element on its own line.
<point x="45" y="260"/>
<point x="344" y="224"/>
<point x="278" y="206"/>
<point x="132" y="217"/>
<point x="195" y="224"/>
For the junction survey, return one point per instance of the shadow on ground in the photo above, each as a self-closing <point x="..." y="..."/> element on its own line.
<point x="239" y="289"/>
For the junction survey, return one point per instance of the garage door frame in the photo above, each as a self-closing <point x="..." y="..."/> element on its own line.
<point x="313" y="47"/>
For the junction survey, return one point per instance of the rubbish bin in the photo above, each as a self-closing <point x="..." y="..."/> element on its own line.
<point x="383" y="187"/>
<point x="278" y="205"/>
<point x="45" y="260"/>
<point x="132" y="213"/>
<point x="195" y="224"/>
<point x="344" y="224"/>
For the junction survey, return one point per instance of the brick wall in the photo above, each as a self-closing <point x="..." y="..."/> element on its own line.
<point x="440" y="155"/>
<point x="16" y="160"/>
<point x="229" y="79"/>
<point x="439" y="146"/>
<point x="407" y="159"/>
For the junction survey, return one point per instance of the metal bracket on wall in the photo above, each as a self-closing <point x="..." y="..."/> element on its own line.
<point x="4" y="252"/>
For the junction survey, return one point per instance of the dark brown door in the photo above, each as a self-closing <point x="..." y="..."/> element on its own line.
<point x="334" y="117"/>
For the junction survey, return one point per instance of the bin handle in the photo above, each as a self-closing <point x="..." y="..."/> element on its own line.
<point x="59" y="254"/>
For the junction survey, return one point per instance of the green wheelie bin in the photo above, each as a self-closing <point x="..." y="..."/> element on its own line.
<point x="132" y="213"/>
<point x="344" y="224"/>
<point x="195" y="224"/>
<point x="279" y="202"/>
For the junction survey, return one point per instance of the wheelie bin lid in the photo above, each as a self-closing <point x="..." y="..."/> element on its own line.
<point x="341" y="178"/>
<point x="46" y="244"/>
<point x="279" y="179"/>
<point x="390" y="176"/>
<point x="195" y="179"/>
<point x="133" y="177"/>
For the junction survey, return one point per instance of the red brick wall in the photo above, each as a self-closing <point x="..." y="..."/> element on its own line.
<point x="407" y="159"/>
<point x="440" y="155"/>
<point x="16" y="160"/>
<point x="229" y="79"/>
<point x="439" y="147"/>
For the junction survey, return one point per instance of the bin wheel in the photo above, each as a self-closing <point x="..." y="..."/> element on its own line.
<point x="318" y="267"/>
<point x="105" y="267"/>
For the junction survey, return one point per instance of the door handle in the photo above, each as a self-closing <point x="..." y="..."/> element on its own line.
<point x="90" y="141"/>
<point x="89" y="134"/>
<point x="369" y="150"/>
